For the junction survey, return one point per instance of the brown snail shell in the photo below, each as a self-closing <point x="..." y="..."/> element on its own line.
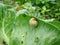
<point x="33" y="22"/>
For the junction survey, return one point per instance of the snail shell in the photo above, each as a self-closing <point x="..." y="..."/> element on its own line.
<point x="33" y="22"/>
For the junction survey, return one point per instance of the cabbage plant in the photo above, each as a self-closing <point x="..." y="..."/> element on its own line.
<point x="17" y="30"/>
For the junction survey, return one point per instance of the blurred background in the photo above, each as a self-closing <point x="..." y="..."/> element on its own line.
<point x="42" y="9"/>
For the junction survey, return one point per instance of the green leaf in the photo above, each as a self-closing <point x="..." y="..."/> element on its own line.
<point x="6" y="23"/>
<point x="25" y="34"/>
<point x="56" y="24"/>
<point x="18" y="31"/>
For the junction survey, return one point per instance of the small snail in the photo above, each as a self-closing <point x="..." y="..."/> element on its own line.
<point x="33" y="22"/>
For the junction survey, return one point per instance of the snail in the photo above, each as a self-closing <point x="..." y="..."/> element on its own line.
<point x="33" y="22"/>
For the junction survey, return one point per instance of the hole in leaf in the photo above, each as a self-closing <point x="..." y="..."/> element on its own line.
<point x="4" y="43"/>
<point x="21" y="42"/>
<point x="37" y="40"/>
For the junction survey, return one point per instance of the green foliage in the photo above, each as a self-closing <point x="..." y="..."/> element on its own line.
<point x="43" y="34"/>
<point x="46" y="9"/>
<point x="6" y="23"/>
<point x="15" y="27"/>
<point x="43" y="9"/>
<point x="16" y="30"/>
